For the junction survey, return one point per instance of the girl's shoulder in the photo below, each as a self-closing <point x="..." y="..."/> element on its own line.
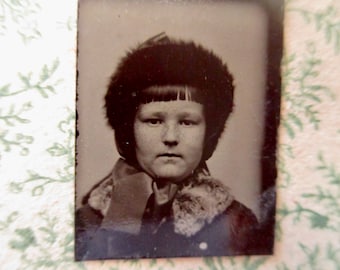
<point x="240" y="214"/>
<point x="243" y="229"/>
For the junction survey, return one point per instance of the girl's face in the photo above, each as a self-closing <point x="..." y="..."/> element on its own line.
<point x="169" y="138"/>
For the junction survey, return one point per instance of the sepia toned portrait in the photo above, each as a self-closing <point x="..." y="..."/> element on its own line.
<point x="177" y="113"/>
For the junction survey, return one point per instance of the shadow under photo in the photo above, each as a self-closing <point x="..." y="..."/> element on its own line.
<point x="178" y="107"/>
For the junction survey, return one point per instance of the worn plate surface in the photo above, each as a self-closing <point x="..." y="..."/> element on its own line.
<point x="37" y="101"/>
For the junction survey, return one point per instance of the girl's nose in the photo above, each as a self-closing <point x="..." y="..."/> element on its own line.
<point x="170" y="135"/>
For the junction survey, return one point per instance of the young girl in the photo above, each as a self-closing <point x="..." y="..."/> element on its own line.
<point x="167" y="102"/>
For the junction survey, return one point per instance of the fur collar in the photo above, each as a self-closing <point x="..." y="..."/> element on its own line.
<point x="197" y="202"/>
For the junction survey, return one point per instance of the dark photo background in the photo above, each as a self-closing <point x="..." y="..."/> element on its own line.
<point x="237" y="31"/>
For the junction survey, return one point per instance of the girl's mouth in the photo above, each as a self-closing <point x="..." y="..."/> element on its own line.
<point x="169" y="155"/>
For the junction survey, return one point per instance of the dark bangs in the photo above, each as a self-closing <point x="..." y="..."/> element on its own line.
<point x="170" y="93"/>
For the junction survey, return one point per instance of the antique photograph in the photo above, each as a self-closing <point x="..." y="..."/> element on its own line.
<point x="178" y="106"/>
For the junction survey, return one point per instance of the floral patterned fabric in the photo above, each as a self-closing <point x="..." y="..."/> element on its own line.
<point x="37" y="135"/>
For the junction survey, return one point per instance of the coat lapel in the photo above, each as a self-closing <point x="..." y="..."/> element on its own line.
<point x="122" y="199"/>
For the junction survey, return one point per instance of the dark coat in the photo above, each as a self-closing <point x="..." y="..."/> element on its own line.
<point x="229" y="229"/>
<point x="231" y="233"/>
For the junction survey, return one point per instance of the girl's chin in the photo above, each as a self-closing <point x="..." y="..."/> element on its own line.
<point x="163" y="180"/>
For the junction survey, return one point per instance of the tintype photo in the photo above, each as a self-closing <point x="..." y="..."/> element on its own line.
<point x="177" y="114"/>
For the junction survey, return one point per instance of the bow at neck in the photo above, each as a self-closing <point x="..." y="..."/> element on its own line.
<point x="123" y="195"/>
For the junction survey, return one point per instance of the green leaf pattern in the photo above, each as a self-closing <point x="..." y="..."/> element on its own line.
<point x="18" y="16"/>
<point x="37" y="135"/>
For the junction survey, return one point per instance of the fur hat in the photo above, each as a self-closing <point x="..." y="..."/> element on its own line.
<point x="161" y="61"/>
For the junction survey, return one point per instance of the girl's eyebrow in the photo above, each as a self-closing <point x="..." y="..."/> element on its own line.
<point x="152" y="113"/>
<point x="162" y="113"/>
<point x="189" y="114"/>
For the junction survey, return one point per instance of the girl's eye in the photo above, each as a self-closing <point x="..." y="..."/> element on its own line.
<point x="153" y="121"/>
<point x="187" y="122"/>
